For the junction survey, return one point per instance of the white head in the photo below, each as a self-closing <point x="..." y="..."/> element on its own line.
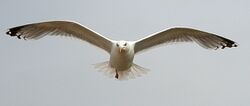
<point x="123" y="46"/>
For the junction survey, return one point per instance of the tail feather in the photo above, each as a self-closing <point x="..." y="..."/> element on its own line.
<point x="131" y="73"/>
<point x="104" y="68"/>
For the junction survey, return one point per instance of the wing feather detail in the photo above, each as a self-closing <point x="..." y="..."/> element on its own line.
<point x="204" y="39"/>
<point x="62" y="28"/>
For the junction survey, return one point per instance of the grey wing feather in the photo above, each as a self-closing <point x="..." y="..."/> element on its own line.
<point x="62" y="28"/>
<point x="204" y="39"/>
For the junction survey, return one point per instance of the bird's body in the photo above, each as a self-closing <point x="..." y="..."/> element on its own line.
<point x="120" y="64"/>
<point x="119" y="59"/>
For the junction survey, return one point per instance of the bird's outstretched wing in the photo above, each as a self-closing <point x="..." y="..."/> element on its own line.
<point x="64" y="28"/>
<point x="204" y="39"/>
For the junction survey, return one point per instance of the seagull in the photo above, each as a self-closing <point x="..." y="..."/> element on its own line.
<point x="120" y="64"/>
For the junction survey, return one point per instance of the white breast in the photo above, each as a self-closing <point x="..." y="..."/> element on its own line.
<point x="121" y="61"/>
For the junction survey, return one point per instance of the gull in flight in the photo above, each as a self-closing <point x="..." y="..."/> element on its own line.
<point x="120" y="64"/>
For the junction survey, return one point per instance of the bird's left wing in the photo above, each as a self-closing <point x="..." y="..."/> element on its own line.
<point x="204" y="39"/>
<point x="63" y="28"/>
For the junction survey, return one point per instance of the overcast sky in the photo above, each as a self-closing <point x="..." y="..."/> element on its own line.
<point x="56" y="71"/>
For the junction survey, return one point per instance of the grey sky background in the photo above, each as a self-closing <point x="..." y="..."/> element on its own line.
<point x="55" y="71"/>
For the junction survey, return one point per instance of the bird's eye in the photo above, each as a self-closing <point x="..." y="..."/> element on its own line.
<point x="125" y="44"/>
<point x="117" y="44"/>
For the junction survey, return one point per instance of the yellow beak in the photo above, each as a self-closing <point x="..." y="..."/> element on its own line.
<point x="122" y="50"/>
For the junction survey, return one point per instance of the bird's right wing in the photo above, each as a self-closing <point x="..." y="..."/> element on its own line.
<point x="63" y="28"/>
<point x="204" y="39"/>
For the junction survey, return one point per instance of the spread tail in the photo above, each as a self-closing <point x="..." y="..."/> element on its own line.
<point x="131" y="73"/>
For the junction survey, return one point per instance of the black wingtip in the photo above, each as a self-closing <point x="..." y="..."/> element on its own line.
<point x="228" y="43"/>
<point x="14" y="31"/>
<point x="10" y="33"/>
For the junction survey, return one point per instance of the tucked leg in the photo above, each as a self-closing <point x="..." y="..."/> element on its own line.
<point x="116" y="74"/>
